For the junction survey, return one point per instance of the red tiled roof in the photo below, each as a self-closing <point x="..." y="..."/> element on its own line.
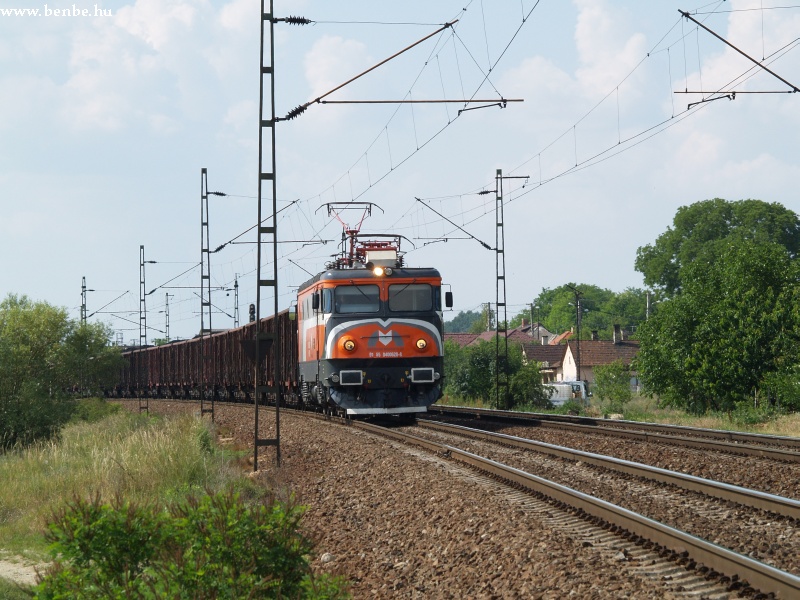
<point x="519" y="336"/>
<point x="486" y="336"/>
<point x="603" y="352"/>
<point x="462" y="339"/>
<point x="560" y="338"/>
<point x="552" y="355"/>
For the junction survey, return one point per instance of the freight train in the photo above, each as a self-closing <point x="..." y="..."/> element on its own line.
<point x="365" y="338"/>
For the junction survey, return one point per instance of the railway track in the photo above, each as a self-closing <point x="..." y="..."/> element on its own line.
<point x="691" y="566"/>
<point x="780" y="505"/>
<point x="712" y="562"/>
<point x="780" y="448"/>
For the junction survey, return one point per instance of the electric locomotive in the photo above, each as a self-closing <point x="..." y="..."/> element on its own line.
<point x="370" y="332"/>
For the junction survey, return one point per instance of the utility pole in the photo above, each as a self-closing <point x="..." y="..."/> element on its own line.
<point x="236" y="300"/>
<point x="142" y="301"/>
<point x="83" y="300"/>
<point x="578" y="315"/>
<point x="166" y="314"/>
<point x="142" y="332"/>
<point x="205" y="295"/>
<point x="578" y="343"/>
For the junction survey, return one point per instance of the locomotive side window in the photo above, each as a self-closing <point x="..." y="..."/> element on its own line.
<point x="327" y="300"/>
<point x="357" y="299"/>
<point x="410" y="297"/>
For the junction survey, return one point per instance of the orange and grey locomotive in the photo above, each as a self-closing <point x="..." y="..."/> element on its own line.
<point x="370" y="334"/>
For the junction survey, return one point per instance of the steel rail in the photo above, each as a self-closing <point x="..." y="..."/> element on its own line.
<point x="734" y="493"/>
<point x="756" y="574"/>
<point x="737" y="440"/>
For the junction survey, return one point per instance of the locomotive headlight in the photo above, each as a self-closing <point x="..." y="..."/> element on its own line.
<point x="335" y="378"/>
<point x="378" y="271"/>
<point x="422" y="344"/>
<point x="388" y="271"/>
<point x="349" y="345"/>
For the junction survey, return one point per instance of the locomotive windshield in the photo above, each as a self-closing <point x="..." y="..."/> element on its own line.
<point x="357" y="299"/>
<point x="410" y="297"/>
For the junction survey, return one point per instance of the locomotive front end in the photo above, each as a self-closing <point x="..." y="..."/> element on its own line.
<point x="371" y="337"/>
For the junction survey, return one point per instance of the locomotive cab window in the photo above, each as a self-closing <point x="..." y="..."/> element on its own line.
<point x="412" y="297"/>
<point x="357" y="299"/>
<point x="327" y="300"/>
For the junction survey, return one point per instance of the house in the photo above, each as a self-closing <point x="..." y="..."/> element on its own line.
<point x="522" y="334"/>
<point x="558" y="355"/>
<point x="551" y="358"/>
<point x="594" y="353"/>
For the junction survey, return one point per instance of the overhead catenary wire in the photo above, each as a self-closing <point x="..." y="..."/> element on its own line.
<point x="453" y="30"/>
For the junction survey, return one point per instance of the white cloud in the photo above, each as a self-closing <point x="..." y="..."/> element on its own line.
<point x="25" y="98"/>
<point x="698" y="151"/>
<point x="538" y="81"/>
<point x="238" y="15"/>
<point x="156" y="22"/>
<point x="606" y="55"/>
<point x="331" y="61"/>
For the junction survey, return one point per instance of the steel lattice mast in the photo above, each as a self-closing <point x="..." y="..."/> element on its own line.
<point x="267" y="237"/>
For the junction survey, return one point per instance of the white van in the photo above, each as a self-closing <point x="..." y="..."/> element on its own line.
<point x="564" y="391"/>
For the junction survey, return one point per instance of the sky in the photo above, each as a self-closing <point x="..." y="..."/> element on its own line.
<point x="110" y="109"/>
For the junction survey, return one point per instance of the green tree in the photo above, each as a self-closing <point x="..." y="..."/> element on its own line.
<point x="455" y="366"/>
<point x="612" y="385"/>
<point x="470" y="374"/>
<point x="601" y="309"/>
<point x="527" y="389"/>
<point x="627" y="308"/>
<point x="781" y="389"/>
<point x="700" y="231"/>
<point x="735" y="322"/>
<point x="485" y="322"/>
<point x="462" y="322"/>
<point x="44" y="356"/>
<point x="479" y="383"/>
<point x="470" y="371"/>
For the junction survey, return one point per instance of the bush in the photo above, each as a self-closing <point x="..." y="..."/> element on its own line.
<point x="571" y="407"/>
<point x="92" y="410"/>
<point x="612" y="386"/>
<point x="746" y="413"/>
<point x="214" y="546"/>
<point x="31" y="415"/>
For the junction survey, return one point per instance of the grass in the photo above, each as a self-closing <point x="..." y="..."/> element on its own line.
<point x="10" y="591"/>
<point x="141" y="458"/>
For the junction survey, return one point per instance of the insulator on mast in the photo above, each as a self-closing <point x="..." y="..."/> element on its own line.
<point x="295" y="20"/>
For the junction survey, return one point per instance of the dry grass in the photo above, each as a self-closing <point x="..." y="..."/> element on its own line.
<point x="646" y="409"/>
